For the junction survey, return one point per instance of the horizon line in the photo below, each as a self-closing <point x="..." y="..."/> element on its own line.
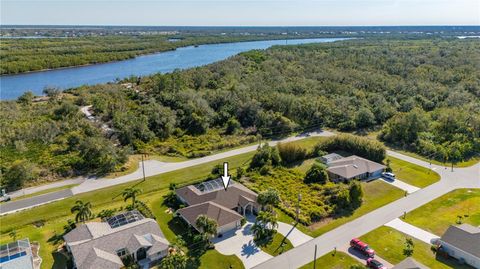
<point x="247" y="26"/>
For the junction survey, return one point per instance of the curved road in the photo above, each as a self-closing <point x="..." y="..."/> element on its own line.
<point x="152" y="168"/>
<point x="460" y="178"/>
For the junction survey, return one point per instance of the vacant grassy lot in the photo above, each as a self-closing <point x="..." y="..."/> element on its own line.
<point x="413" y="174"/>
<point x="388" y="243"/>
<point x="376" y="194"/>
<point x="446" y="209"/>
<point x="338" y="261"/>
<point x="275" y="247"/>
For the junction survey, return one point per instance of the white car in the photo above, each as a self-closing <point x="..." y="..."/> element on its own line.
<point x="388" y="175"/>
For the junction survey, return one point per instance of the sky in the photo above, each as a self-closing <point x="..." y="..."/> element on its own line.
<point x="241" y="12"/>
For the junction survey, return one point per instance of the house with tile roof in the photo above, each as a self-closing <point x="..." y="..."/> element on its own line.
<point x="462" y="242"/>
<point x="354" y="167"/>
<point x="226" y="206"/>
<point x="108" y="244"/>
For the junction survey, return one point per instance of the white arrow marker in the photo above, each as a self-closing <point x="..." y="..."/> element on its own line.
<point x="225" y="177"/>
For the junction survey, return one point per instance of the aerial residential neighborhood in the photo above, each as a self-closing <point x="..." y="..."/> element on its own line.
<point x="239" y="134"/>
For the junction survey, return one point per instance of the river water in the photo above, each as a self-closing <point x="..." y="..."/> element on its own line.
<point x="12" y="86"/>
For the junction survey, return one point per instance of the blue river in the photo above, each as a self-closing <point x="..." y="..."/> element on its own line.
<point x="12" y="86"/>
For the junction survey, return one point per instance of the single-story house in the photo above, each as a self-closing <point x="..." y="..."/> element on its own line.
<point x="226" y="206"/>
<point x="410" y="263"/>
<point x="106" y="244"/>
<point x="462" y="242"/>
<point x="326" y="159"/>
<point x="16" y="255"/>
<point x="354" y="167"/>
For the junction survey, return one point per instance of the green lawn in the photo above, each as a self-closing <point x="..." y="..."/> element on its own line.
<point x="445" y="209"/>
<point x="376" y="194"/>
<point x="45" y="192"/>
<point x="275" y="248"/>
<point x="413" y="174"/>
<point x="212" y="259"/>
<point x="388" y="243"/>
<point x="338" y="261"/>
<point x="309" y="143"/>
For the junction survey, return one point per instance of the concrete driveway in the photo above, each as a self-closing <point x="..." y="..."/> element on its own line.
<point x="295" y="236"/>
<point x="240" y="243"/>
<point x="413" y="231"/>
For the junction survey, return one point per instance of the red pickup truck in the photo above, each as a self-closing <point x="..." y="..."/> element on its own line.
<point x="362" y="247"/>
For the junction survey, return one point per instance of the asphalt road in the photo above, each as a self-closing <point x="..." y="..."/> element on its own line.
<point x="27" y="203"/>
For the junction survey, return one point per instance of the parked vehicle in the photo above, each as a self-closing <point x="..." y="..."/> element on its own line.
<point x="3" y="196"/>
<point x="362" y="247"/>
<point x="388" y="175"/>
<point x="374" y="264"/>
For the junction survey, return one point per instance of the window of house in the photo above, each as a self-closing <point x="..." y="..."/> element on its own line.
<point x="122" y="252"/>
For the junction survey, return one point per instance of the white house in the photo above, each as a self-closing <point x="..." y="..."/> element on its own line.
<point x="462" y="243"/>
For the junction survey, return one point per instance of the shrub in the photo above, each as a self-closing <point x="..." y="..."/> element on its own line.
<point x="232" y="126"/>
<point x="290" y="153"/>
<point x="316" y="174"/>
<point x="265" y="155"/>
<point x="363" y="147"/>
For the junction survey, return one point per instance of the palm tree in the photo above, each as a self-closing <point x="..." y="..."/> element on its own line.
<point x="206" y="225"/>
<point x="174" y="261"/>
<point x="83" y="211"/>
<point x="13" y="235"/>
<point x="265" y="225"/>
<point x="131" y="193"/>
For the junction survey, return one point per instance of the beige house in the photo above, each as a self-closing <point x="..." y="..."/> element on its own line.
<point x="462" y="242"/>
<point x="107" y="244"/>
<point x="354" y="167"/>
<point x="226" y="207"/>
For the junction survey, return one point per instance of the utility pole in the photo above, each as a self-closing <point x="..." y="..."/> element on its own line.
<point x="298" y="206"/>
<point x="315" y="258"/>
<point x="143" y="168"/>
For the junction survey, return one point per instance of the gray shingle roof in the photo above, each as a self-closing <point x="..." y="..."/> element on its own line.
<point x="465" y="237"/>
<point x="410" y="263"/>
<point x="220" y="214"/>
<point x="98" y="258"/>
<point x="353" y="166"/>
<point x="228" y="198"/>
<point x="94" y="235"/>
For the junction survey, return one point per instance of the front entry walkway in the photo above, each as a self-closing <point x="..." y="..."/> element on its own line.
<point x="413" y="231"/>
<point x="240" y="243"/>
